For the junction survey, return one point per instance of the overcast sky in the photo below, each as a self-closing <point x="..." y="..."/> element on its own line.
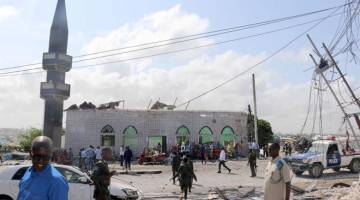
<point x="282" y="84"/>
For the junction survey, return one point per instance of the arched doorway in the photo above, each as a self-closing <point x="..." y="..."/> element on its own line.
<point x="227" y="137"/>
<point x="182" y="136"/>
<point x="107" y="136"/>
<point x="131" y="138"/>
<point x="205" y="135"/>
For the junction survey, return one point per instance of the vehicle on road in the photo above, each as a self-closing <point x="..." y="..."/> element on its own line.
<point x="80" y="185"/>
<point x="324" y="154"/>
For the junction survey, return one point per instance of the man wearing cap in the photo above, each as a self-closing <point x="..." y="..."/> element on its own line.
<point x="277" y="176"/>
<point x="42" y="181"/>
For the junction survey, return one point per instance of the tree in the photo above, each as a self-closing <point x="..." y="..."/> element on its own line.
<point x="265" y="133"/>
<point x="28" y="137"/>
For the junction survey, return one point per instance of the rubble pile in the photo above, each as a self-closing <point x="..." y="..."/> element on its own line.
<point x="338" y="193"/>
<point x="349" y="193"/>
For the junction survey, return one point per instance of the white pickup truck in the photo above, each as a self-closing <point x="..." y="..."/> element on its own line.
<point x="324" y="154"/>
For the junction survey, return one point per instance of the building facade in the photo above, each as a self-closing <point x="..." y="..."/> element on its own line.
<point x="148" y="128"/>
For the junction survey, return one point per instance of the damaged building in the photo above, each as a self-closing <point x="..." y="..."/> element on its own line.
<point x="107" y="125"/>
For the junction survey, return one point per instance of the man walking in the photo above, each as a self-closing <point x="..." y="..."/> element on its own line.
<point x="252" y="162"/>
<point x="222" y="160"/>
<point x="42" y="181"/>
<point x="175" y="164"/>
<point x="185" y="175"/>
<point x="101" y="176"/>
<point x="277" y="176"/>
<point x="128" y="156"/>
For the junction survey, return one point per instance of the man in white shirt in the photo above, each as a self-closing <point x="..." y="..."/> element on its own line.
<point x="277" y="176"/>
<point x="222" y="160"/>
<point x="121" y="152"/>
<point x="98" y="153"/>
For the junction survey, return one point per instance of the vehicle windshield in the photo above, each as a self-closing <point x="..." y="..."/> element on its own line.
<point x="317" y="148"/>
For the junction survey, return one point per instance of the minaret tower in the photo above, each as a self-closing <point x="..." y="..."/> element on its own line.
<point x="54" y="91"/>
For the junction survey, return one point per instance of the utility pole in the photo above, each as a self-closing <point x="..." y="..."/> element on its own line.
<point x="255" y="110"/>
<point x="320" y="69"/>
<point x="56" y="62"/>
<point x="342" y="75"/>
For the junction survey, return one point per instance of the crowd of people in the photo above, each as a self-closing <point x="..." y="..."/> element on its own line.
<point x="95" y="161"/>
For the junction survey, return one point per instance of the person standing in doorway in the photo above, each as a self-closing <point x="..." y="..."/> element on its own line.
<point x="42" y="180"/>
<point x="101" y="176"/>
<point x="128" y="157"/>
<point x="277" y="176"/>
<point x="121" y="156"/>
<point x="222" y="160"/>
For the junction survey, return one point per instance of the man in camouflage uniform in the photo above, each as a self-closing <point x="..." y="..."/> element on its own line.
<point x="185" y="175"/>
<point x="101" y="176"/>
<point x="191" y="165"/>
<point x="175" y="164"/>
<point x="252" y="162"/>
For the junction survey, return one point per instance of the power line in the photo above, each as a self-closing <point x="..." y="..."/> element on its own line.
<point x="4" y="74"/>
<point x="215" y="32"/>
<point x="257" y="64"/>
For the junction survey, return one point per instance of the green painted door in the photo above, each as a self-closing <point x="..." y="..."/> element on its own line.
<point x="227" y="137"/>
<point x="131" y="138"/>
<point x="205" y="136"/>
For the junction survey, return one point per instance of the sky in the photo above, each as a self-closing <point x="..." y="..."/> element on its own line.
<point x="282" y="82"/>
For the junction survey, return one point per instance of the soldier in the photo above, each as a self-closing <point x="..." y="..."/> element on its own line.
<point x="252" y="162"/>
<point x="175" y="164"/>
<point x="185" y="175"/>
<point x="191" y="165"/>
<point x="101" y="176"/>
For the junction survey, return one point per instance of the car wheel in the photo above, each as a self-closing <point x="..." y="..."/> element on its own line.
<point x="298" y="173"/>
<point x="5" y="197"/>
<point x="317" y="170"/>
<point x="355" y="166"/>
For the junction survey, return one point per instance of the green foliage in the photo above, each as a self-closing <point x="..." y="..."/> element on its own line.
<point x="265" y="134"/>
<point x="27" y="138"/>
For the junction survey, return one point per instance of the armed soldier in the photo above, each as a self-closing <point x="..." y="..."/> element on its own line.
<point x="185" y="175"/>
<point x="101" y="176"/>
<point x="175" y="164"/>
<point x="252" y="162"/>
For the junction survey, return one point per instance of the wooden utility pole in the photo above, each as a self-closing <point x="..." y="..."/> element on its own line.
<point x="255" y="111"/>
<point x="321" y="72"/>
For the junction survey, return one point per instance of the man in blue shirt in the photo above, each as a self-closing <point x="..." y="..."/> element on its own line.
<point x="42" y="181"/>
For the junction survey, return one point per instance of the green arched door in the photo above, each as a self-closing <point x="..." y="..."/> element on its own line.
<point x="205" y="135"/>
<point x="227" y="137"/>
<point x="130" y="138"/>
<point x="183" y="136"/>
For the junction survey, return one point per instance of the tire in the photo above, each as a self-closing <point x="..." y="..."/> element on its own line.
<point x="140" y="162"/>
<point x="5" y="197"/>
<point x="355" y="166"/>
<point x="316" y="170"/>
<point x="298" y="173"/>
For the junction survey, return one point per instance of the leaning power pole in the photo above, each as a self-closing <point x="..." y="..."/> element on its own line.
<point x="320" y="69"/>
<point x="56" y="62"/>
